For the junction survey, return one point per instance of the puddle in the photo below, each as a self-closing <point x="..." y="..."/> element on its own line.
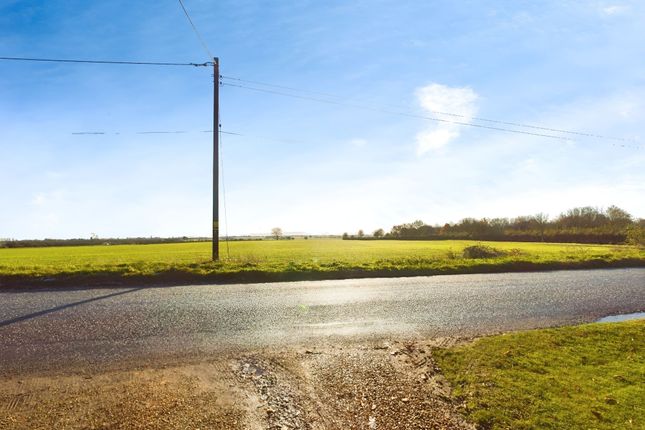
<point x="623" y="317"/>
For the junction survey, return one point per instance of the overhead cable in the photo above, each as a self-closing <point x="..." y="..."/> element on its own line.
<point x="136" y="63"/>
<point x="451" y="114"/>
<point x="149" y="132"/>
<point x="197" y="33"/>
<point x="221" y="160"/>
<point x="284" y="87"/>
<point x="253" y="136"/>
<point x="411" y="115"/>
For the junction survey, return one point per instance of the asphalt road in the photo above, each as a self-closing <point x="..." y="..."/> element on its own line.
<point x="53" y="330"/>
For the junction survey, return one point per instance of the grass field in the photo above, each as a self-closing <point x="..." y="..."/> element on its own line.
<point x="585" y="377"/>
<point x="296" y="259"/>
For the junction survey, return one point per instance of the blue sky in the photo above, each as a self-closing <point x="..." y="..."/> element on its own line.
<point x="306" y="166"/>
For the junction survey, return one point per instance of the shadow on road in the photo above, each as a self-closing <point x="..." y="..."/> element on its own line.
<point x="65" y="306"/>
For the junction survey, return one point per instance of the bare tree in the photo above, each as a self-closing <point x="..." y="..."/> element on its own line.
<point x="541" y="219"/>
<point x="276" y="232"/>
<point x="361" y="233"/>
<point x="618" y="216"/>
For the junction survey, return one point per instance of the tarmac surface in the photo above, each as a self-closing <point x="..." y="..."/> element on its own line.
<point x="54" y="330"/>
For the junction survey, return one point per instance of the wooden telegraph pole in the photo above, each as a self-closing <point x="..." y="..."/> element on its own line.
<point x="215" y="159"/>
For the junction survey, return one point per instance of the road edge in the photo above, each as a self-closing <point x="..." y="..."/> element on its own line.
<point x="176" y="277"/>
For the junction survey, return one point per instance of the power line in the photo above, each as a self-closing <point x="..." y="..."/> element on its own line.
<point x="252" y="136"/>
<point x="223" y="132"/>
<point x="515" y="124"/>
<point x="136" y="63"/>
<point x="221" y="160"/>
<point x="284" y="87"/>
<point x="492" y="121"/>
<point x="199" y="36"/>
<point x="80" y="133"/>
<point x="411" y="115"/>
<point x="160" y="132"/>
<point x="134" y="132"/>
<point x="230" y="133"/>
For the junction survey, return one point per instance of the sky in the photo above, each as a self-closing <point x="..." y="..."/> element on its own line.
<point x="370" y="159"/>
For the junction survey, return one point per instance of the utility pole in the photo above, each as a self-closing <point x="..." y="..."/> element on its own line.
<point x="215" y="159"/>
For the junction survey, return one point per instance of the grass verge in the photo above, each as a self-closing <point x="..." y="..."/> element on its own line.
<point x="585" y="377"/>
<point x="264" y="261"/>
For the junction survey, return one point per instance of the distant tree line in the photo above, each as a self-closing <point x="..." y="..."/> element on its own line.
<point x="582" y="225"/>
<point x="95" y="240"/>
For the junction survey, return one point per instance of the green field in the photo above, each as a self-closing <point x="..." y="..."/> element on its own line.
<point x="585" y="377"/>
<point x="296" y="259"/>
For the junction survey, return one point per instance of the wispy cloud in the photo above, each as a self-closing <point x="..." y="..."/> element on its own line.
<point x="614" y="9"/>
<point x="358" y="142"/>
<point x="570" y="65"/>
<point x="437" y="100"/>
<point x="436" y="138"/>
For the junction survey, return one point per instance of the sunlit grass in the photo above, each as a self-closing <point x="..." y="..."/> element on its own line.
<point x="586" y="377"/>
<point x="291" y="256"/>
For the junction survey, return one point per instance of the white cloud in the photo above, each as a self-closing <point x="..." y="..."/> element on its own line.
<point x="48" y="199"/>
<point x="441" y="98"/>
<point x="39" y="199"/>
<point x="417" y="43"/>
<point x="358" y="142"/>
<point x="450" y="103"/>
<point x="614" y="9"/>
<point x="436" y="138"/>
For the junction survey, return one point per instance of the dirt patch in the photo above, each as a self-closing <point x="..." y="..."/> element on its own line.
<point x="147" y="399"/>
<point x="389" y="385"/>
<point x="280" y="402"/>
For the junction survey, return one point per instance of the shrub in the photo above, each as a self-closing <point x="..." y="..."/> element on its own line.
<point x="636" y="235"/>
<point x="451" y="255"/>
<point x="482" y="251"/>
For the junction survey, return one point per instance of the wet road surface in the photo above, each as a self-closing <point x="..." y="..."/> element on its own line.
<point x="44" y="330"/>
